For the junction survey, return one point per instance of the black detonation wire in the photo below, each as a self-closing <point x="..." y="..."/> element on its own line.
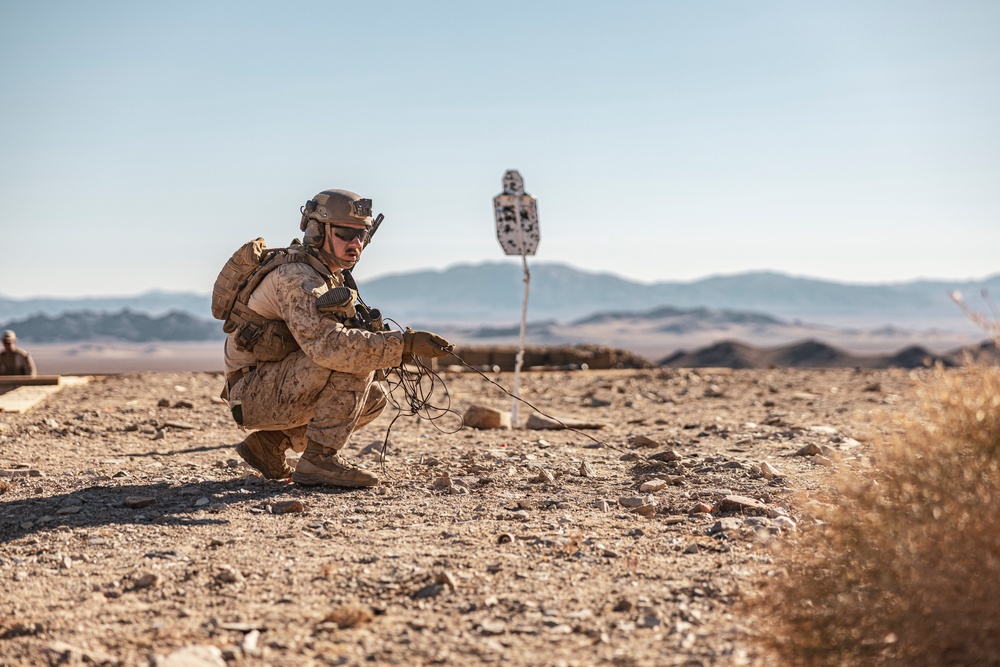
<point x="521" y="400"/>
<point x="411" y="383"/>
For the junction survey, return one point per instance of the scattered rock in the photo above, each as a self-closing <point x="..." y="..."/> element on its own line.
<point x="768" y="470"/>
<point x="544" y="476"/>
<point x="138" y="502"/>
<point x="193" y="656"/>
<point x="287" y="507"/>
<point x="179" y="424"/>
<point x="785" y="523"/>
<point x="809" y="450"/>
<point x="228" y="574"/>
<point x="645" y="510"/>
<point x="700" y="508"/>
<point x="163" y="403"/>
<point x="739" y="504"/>
<point x="667" y="456"/>
<point x="586" y="470"/>
<point x="184" y="404"/>
<point x="349" y="616"/>
<point x="482" y="417"/>
<point x="653" y="485"/>
<point x="631" y="501"/>
<point x="493" y="627"/>
<point x="147" y="580"/>
<point x="644" y="441"/>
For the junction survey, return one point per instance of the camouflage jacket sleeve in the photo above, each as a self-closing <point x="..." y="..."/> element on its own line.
<point x="289" y="293"/>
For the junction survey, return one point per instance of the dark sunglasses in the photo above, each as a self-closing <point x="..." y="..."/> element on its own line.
<point x="350" y="233"/>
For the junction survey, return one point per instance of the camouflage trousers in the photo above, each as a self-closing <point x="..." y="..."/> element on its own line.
<point x="307" y="401"/>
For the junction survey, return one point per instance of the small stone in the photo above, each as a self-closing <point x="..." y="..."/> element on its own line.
<point x="66" y="562"/>
<point x="544" y="476"/>
<point x="138" y="502"/>
<point x="249" y="643"/>
<point x="586" y="470"/>
<point x="482" y="417"/>
<point x="442" y="483"/>
<point x="148" y="580"/>
<point x="825" y="430"/>
<point x="163" y="403"/>
<point x="768" y="470"/>
<point x="692" y="548"/>
<point x="179" y="424"/>
<point x="193" y="656"/>
<point x="430" y="591"/>
<point x="809" y="450"/>
<point x="700" y="508"/>
<point x="201" y="502"/>
<point x="228" y="574"/>
<point x="603" y="505"/>
<point x="287" y="507"/>
<point x="823" y="461"/>
<point x="445" y="578"/>
<point x="785" y="523"/>
<point x="645" y="510"/>
<point x="713" y="391"/>
<point x="631" y="501"/>
<point x="184" y="404"/>
<point x="349" y="616"/>
<point x="667" y="456"/>
<point x="653" y="485"/>
<point x="493" y="627"/>
<point x="739" y="504"/>
<point x="51" y="423"/>
<point x="644" y="441"/>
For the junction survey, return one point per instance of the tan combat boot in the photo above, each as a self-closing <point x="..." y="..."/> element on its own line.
<point x="322" y="465"/>
<point x="265" y="452"/>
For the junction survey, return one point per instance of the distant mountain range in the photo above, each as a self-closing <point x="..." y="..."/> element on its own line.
<point x="491" y="293"/>
<point x="124" y="326"/>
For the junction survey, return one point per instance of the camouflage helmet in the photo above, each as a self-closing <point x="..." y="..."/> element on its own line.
<point x="337" y="207"/>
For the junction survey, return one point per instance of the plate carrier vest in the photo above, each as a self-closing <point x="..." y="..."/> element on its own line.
<point x="267" y="340"/>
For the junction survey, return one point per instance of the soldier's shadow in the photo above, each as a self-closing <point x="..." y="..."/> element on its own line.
<point x="208" y="502"/>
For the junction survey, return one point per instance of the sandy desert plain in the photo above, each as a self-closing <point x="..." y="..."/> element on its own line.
<point x="130" y="533"/>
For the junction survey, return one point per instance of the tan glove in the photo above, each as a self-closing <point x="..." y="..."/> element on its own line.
<point x="424" y="344"/>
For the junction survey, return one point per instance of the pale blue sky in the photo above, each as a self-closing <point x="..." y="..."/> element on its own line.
<point x="859" y="141"/>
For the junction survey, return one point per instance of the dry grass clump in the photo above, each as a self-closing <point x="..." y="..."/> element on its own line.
<point x="906" y="568"/>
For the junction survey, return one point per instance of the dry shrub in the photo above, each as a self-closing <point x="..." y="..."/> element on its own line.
<point x="906" y="568"/>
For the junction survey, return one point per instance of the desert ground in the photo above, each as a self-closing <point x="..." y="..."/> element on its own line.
<point x="130" y="533"/>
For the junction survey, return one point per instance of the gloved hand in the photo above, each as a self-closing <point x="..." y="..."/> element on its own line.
<point x="424" y="344"/>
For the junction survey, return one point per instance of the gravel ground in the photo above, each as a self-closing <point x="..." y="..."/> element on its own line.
<point x="131" y="534"/>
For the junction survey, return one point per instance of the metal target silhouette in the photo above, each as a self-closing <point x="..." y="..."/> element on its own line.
<point x="516" y="214"/>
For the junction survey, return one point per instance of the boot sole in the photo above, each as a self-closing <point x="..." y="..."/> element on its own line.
<point x="256" y="463"/>
<point x="322" y="478"/>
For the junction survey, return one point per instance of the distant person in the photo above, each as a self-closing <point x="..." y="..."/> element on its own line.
<point x="303" y="349"/>
<point x="14" y="360"/>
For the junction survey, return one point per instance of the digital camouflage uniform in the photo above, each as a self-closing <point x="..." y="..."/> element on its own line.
<point x="302" y="350"/>
<point x="324" y="391"/>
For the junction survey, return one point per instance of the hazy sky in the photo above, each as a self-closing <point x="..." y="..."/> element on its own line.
<point x="141" y="143"/>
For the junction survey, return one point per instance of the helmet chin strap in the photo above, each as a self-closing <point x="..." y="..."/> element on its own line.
<point x="333" y="260"/>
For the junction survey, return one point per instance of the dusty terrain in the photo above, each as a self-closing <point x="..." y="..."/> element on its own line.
<point x="130" y="534"/>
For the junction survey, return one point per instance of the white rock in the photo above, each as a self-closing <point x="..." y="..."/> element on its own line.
<point x="194" y="656"/>
<point x="653" y="485"/>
